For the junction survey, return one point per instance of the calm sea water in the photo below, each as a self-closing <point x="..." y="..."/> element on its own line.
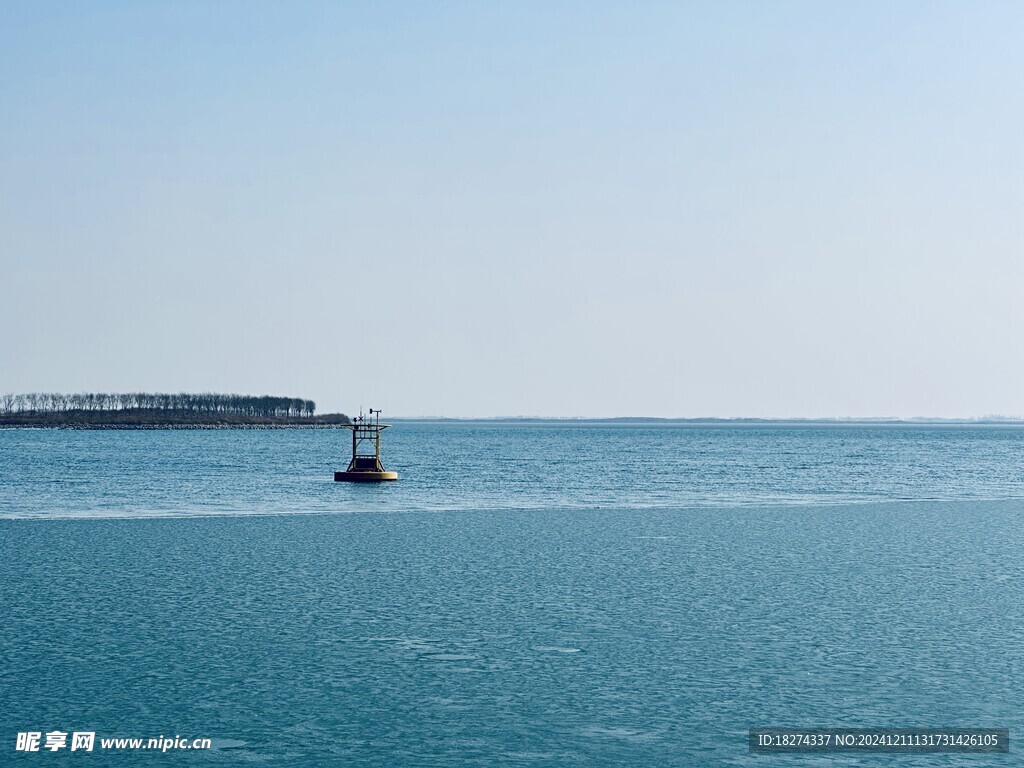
<point x="525" y="595"/>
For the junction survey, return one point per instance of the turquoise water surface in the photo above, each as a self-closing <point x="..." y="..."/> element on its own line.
<point x="525" y="594"/>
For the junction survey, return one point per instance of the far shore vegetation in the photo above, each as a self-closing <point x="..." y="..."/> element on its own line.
<point x="156" y="409"/>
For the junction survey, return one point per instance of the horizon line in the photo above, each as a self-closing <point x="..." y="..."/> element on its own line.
<point x="988" y="419"/>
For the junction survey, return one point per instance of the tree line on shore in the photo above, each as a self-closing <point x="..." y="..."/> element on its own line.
<point x="207" y="403"/>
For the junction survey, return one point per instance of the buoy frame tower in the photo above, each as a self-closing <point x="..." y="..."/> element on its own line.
<point x="365" y="466"/>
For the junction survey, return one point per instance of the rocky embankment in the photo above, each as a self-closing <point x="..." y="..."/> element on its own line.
<point x="109" y="420"/>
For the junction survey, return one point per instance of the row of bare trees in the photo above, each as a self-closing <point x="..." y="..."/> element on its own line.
<point x="206" y="402"/>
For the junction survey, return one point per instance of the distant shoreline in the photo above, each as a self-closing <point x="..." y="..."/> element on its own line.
<point x="161" y="410"/>
<point x="712" y="421"/>
<point x="149" y="419"/>
<point x="107" y="420"/>
<point x="152" y="427"/>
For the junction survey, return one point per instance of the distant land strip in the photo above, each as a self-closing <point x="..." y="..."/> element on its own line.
<point x="158" y="410"/>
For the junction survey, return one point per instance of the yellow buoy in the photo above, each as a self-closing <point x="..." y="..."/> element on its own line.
<point x="365" y="467"/>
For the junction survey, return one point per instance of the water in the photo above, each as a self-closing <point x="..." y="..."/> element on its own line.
<point x="525" y="595"/>
<point x="483" y="466"/>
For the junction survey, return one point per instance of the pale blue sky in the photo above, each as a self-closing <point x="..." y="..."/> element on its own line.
<point x="581" y="209"/>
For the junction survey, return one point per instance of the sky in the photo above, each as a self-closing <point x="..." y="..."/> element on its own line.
<point x="677" y="209"/>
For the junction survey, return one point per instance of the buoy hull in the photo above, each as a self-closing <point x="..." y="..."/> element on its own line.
<point x="364" y="477"/>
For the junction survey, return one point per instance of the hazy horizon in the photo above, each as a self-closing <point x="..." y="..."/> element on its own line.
<point x="364" y="410"/>
<point x="937" y="419"/>
<point x="778" y="210"/>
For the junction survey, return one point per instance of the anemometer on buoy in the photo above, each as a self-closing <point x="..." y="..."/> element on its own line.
<point x="365" y="466"/>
